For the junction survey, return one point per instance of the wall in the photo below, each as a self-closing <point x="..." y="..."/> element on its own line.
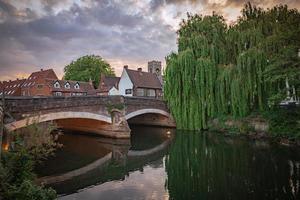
<point x="113" y="91"/>
<point x="125" y="83"/>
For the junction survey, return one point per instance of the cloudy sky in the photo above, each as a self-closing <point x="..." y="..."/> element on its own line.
<point x="38" y="34"/>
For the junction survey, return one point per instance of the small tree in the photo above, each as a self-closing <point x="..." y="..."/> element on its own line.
<point x="86" y="68"/>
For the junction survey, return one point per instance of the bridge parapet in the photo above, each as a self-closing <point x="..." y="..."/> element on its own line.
<point x="110" y="113"/>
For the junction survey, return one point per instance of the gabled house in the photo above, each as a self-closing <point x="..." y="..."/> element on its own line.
<point x="139" y="83"/>
<point x="108" y="85"/>
<point x="36" y="84"/>
<point x="11" y="88"/>
<point x="69" y="88"/>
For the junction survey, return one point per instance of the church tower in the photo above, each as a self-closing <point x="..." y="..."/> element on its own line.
<point x="155" y="68"/>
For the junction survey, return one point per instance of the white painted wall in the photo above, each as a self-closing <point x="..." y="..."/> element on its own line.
<point x="125" y="83"/>
<point x="113" y="91"/>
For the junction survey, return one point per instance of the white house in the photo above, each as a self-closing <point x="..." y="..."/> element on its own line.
<point x="139" y="83"/>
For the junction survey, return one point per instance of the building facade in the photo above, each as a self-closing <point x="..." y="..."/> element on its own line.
<point x="36" y="84"/>
<point x="139" y="83"/>
<point x="11" y="88"/>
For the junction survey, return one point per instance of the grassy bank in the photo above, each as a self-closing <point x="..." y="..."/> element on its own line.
<point x="278" y="123"/>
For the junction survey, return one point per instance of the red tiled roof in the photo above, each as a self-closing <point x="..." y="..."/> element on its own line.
<point x="10" y="87"/>
<point x="83" y="86"/>
<point x="143" y="79"/>
<point x="107" y="82"/>
<point x="39" y="75"/>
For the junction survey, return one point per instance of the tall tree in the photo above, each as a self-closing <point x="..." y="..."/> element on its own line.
<point x="86" y="68"/>
<point x="232" y="70"/>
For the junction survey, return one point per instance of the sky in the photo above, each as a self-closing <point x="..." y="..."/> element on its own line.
<point x="37" y="34"/>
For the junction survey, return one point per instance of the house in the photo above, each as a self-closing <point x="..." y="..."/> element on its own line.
<point x="108" y="85"/>
<point x="139" y="83"/>
<point x="69" y="88"/>
<point x="11" y="88"/>
<point x="36" y="84"/>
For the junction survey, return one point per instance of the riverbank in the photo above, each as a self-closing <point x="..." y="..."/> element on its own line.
<point x="280" y="125"/>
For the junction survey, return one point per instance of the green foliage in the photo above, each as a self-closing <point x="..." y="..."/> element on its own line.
<point x="17" y="178"/>
<point x="86" y="68"/>
<point x="284" y="122"/>
<point x="232" y="70"/>
<point x="110" y="107"/>
<point x="29" y="146"/>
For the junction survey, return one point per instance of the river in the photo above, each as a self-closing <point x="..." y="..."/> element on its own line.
<point x="162" y="163"/>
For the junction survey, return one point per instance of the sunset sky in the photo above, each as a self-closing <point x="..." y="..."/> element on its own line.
<point x="38" y="34"/>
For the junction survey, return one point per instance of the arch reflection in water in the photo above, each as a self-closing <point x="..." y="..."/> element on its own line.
<point x="207" y="166"/>
<point x="118" y="159"/>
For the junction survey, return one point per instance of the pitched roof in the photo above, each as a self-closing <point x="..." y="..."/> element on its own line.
<point x="10" y="87"/>
<point x="143" y="79"/>
<point x="107" y="82"/>
<point x="39" y="75"/>
<point x="83" y="86"/>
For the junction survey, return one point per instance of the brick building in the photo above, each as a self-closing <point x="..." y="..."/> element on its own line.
<point x="45" y="83"/>
<point x="69" y="88"/>
<point x="36" y="84"/>
<point x="11" y="88"/>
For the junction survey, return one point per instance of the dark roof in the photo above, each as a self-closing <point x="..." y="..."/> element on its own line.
<point x="10" y="87"/>
<point x="143" y="79"/>
<point x="83" y="86"/>
<point x="111" y="81"/>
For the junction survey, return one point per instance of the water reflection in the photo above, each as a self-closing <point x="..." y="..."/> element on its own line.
<point x="214" y="167"/>
<point x="185" y="165"/>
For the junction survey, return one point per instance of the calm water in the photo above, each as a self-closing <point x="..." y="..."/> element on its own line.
<point x="158" y="163"/>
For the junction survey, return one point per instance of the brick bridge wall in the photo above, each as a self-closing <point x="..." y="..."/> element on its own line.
<point x="21" y="108"/>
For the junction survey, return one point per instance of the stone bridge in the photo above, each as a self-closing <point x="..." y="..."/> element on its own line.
<point x="105" y="115"/>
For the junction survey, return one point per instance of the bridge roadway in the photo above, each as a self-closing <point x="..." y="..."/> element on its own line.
<point x="105" y="115"/>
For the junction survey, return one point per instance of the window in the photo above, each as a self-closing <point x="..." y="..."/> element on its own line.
<point x="56" y="85"/>
<point x="76" y="86"/>
<point x="128" y="91"/>
<point x="39" y="86"/>
<point x="67" y="85"/>
<point x="140" y="92"/>
<point x="151" y="93"/>
<point x="57" y="94"/>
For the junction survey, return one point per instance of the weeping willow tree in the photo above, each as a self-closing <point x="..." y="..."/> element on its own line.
<point x="232" y="70"/>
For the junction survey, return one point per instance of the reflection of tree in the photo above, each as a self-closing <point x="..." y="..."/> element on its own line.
<point x="201" y="167"/>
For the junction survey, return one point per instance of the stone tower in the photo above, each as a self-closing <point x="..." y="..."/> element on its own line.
<point x="155" y="68"/>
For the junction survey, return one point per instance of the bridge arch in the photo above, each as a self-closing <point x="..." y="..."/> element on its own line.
<point x="147" y="111"/>
<point x="56" y="116"/>
<point x="150" y="116"/>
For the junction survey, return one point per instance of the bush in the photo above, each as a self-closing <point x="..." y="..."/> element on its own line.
<point x="17" y="178"/>
<point x="284" y="122"/>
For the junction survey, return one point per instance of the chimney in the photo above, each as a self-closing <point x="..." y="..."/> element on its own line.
<point x="17" y="79"/>
<point x="42" y="69"/>
<point x="10" y="81"/>
<point x="139" y="69"/>
<point x="125" y="66"/>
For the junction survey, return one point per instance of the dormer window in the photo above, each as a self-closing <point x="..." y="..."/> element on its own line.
<point x="67" y="85"/>
<point x="56" y="84"/>
<point x="76" y="86"/>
